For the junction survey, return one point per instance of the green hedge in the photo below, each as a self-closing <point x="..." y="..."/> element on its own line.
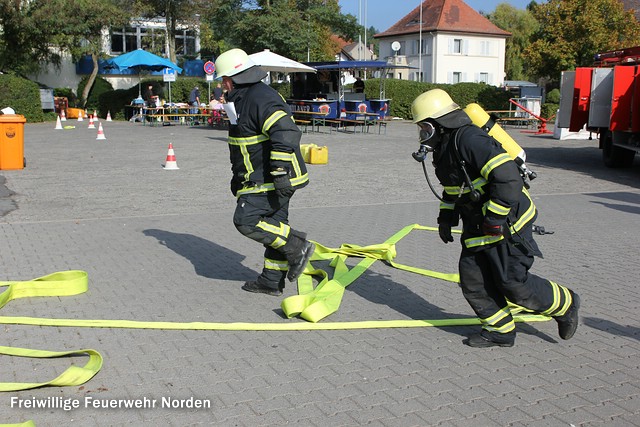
<point x="403" y="92"/>
<point x="22" y="95"/>
<point x="100" y="86"/>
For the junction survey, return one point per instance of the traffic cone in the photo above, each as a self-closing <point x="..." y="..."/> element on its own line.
<point x="86" y="116"/>
<point x="58" y="123"/>
<point x="95" y="115"/>
<point x="80" y="119"/>
<point x="170" y="163"/>
<point x="100" y="133"/>
<point x="108" y="116"/>
<point x="91" y="124"/>
<point x="63" y="116"/>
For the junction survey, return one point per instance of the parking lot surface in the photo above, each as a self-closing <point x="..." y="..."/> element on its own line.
<point x="159" y="245"/>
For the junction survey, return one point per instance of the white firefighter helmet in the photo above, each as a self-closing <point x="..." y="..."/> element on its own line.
<point x="232" y="62"/>
<point x="432" y="104"/>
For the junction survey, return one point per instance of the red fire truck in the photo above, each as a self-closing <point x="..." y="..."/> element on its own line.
<point x="606" y="98"/>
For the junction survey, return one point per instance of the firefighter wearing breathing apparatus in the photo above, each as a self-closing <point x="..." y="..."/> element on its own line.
<point x="484" y="188"/>
<point x="267" y="168"/>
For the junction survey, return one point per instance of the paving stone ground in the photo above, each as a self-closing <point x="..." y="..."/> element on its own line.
<point x="160" y="245"/>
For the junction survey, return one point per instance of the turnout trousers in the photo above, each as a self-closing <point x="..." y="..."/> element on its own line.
<point x="264" y="217"/>
<point x="499" y="274"/>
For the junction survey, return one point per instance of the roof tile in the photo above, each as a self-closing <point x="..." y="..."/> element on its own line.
<point x="444" y="15"/>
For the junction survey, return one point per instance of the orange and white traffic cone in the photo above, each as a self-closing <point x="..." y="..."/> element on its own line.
<point x="91" y="124"/>
<point x="63" y="116"/>
<point x="95" y="115"/>
<point x="80" y="119"/>
<point x="100" y="133"/>
<point x="58" y="124"/>
<point x="108" y="116"/>
<point x="170" y="163"/>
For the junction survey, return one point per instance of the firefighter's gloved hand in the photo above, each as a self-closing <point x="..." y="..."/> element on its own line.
<point x="444" y="230"/>
<point x="283" y="186"/>
<point x="491" y="229"/>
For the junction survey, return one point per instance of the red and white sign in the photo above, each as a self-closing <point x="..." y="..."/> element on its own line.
<point x="209" y="67"/>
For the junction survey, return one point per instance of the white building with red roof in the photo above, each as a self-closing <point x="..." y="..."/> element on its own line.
<point x="445" y="41"/>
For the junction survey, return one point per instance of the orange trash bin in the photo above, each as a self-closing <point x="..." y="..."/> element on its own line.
<point x="12" y="141"/>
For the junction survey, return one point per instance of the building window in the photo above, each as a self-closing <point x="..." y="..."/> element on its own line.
<point x="457" y="45"/>
<point x="485" y="48"/>
<point x="152" y="39"/>
<point x="456" y="77"/>
<point x="483" y="78"/>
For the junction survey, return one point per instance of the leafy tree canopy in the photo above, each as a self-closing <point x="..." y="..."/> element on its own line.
<point x="573" y="31"/>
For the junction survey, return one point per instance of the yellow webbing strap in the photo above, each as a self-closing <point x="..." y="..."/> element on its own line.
<point x="316" y="304"/>
<point x="312" y="305"/>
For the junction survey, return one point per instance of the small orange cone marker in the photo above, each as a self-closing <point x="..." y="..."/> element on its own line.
<point x="100" y="133"/>
<point x="170" y="163"/>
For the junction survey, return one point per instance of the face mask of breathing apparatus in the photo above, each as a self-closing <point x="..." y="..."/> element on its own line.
<point x="429" y="139"/>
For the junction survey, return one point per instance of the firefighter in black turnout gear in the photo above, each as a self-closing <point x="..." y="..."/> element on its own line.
<point x="267" y="168"/>
<point x="483" y="187"/>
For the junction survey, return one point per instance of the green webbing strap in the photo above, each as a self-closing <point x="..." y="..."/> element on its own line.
<point x="316" y="304"/>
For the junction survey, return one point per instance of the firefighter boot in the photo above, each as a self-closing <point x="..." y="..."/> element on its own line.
<point x="258" y="288"/>
<point x="568" y="322"/>
<point x="298" y="251"/>
<point x="486" y="339"/>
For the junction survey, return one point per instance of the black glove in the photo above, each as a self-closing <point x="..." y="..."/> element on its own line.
<point x="490" y="229"/>
<point x="283" y="186"/>
<point x="445" y="232"/>
<point x="234" y="187"/>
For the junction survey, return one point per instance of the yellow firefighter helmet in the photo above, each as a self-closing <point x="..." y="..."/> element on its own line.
<point x="432" y="104"/>
<point x="232" y="62"/>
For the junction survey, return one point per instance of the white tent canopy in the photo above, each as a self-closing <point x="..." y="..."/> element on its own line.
<point x="270" y="61"/>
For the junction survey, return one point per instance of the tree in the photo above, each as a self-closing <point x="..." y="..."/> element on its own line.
<point x="299" y="29"/>
<point x="186" y="12"/>
<point x="76" y="27"/>
<point x="573" y="31"/>
<point x="522" y="25"/>
<point x="23" y="46"/>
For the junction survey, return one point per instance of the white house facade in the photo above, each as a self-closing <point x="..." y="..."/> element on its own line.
<point x="452" y="43"/>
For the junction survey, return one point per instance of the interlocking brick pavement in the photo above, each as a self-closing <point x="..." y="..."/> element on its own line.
<point x="160" y="246"/>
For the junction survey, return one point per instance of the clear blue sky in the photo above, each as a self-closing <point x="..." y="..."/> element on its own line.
<point x="382" y="14"/>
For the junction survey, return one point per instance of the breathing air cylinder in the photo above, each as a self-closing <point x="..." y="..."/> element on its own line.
<point x="484" y="121"/>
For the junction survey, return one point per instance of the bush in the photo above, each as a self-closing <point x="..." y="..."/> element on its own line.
<point x="403" y="92"/>
<point x="22" y="95"/>
<point x="67" y="93"/>
<point x="554" y="96"/>
<point x="548" y="110"/>
<point x="283" y="89"/>
<point x="100" y="86"/>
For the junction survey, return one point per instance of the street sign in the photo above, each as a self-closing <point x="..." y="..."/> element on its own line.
<point x="209" y="67"/>
<point x="168" y="75"/>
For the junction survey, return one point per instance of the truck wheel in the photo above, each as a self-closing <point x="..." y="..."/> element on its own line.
<point x="614" y="156"/>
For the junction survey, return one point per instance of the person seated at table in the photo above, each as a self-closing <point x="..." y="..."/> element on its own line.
<point x="150" y="99"/>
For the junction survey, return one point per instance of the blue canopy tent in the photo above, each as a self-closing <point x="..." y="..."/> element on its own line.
<point x="140" y="59"/>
